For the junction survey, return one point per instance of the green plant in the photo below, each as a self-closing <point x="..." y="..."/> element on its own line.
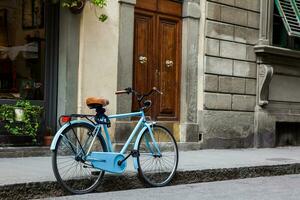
<point x="75" y="3"/>
<point x="100" y="4"/>
<point x="30" y="121"/>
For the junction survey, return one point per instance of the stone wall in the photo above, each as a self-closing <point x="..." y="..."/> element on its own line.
<point x="277" y="120"/>
<point x="231" y="31"/>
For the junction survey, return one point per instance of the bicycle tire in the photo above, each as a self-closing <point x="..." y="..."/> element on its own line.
<point x="163" y="168"/>
<point x="76" y="185"/>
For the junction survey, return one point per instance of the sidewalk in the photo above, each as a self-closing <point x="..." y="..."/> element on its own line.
<point x="39" y="169"/>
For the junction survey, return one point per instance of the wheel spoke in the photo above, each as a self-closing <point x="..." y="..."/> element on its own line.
<point x="70" y="168"/>
<point x="157" y="169"/>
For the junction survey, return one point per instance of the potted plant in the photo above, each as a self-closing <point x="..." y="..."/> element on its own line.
<point x="77" y="6"/>
<point x="48" y="136"/>
<point x="21" y="119"/>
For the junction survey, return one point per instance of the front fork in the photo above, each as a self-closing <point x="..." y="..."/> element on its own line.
<point x="155" y="151"/>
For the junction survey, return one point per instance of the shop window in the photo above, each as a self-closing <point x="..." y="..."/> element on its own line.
<point x="286" y="24"/>
<point x="22" y="49"/>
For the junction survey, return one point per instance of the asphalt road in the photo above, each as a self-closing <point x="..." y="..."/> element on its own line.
<point x="264" y="188"/>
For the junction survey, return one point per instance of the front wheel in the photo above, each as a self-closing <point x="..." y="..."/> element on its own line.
<point x="158" y="156"/>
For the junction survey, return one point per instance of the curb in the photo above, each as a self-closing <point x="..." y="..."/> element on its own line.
<point x="21" y="152"/>
<point x="131" y="181"/>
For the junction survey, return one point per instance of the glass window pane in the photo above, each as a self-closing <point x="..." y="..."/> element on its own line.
<point x="22" y="49"/>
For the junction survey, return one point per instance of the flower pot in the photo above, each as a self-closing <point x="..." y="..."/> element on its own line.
<point x="79" y="8"/>
<point x="48" y="140"/>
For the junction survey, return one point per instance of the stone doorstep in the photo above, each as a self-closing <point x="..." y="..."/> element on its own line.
<point x="130" y="181"/>
<point x="16" y="152"/>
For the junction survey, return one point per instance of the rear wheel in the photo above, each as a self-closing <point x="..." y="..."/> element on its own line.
<point x="76" y="175"/>
<point x="157" y="161"/>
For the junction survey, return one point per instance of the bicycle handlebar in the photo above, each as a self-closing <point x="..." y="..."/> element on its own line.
<point x="139" y="96"/>
<point x="130" y="90"/>
<point x="125" y="91"/>
<point x="121" y="92"/>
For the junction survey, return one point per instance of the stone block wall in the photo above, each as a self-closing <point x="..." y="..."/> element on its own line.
<point x="231" y="32"/>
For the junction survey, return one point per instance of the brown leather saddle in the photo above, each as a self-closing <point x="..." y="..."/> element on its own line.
<point x="94" y="102"/>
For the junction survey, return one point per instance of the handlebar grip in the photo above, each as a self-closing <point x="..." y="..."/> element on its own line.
<point x="121" y="92"/>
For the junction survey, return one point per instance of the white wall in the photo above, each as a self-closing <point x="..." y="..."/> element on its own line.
<point x="98" y="56"/>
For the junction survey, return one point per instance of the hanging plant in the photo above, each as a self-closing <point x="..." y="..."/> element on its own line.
<point x="76" y="7"/>
<point x="100" y="4"/>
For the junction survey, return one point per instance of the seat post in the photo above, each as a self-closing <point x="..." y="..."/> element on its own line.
<point x="100" y="110"/>
<point x="100" y="115"/>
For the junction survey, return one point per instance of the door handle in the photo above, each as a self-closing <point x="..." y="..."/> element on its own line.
<point x="169" y="63"/>
<point x="143" y="59"/>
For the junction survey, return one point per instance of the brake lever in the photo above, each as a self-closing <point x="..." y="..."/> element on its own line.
<point x="156" y="90"/>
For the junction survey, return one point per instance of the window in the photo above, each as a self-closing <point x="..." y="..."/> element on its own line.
<point x="286" y="24"/>
<point x="22" y="49"/>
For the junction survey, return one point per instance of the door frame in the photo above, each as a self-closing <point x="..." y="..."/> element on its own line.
<point x="189" y="65"/>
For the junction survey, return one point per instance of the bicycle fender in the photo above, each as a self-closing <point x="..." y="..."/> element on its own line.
<point x="58" y="133"/>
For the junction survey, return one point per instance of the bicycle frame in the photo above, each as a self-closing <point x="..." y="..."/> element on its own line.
<point x="142" y="123"/>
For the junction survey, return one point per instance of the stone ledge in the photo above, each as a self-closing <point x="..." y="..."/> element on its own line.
<point x="266" y="49"/>
<point x="20" y="152"/>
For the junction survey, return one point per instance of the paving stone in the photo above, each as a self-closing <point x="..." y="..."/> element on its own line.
<point x="250" y="53"/>
<point x="246" y="35"/>
<point x="217" y="101"/>
<point x="244" y="69"/>
<point x="213" y="11"/>
<point x="248" y="4"/>
<point x="233" y="15"/>
<point x="243" y="102"/>
<point x="219" y="30"/>
<point x="218" y="65"/>
<point x="253" y="19"/>
<point x="212" y="47"/>
<point x="211" y="83"/>
<point x="250" y="86"/>
<point x="232" y="85"/>
<point x="228" y="2"/>
<point x="233" y="50"/>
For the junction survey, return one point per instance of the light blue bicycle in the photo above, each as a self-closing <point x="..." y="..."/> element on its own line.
<point x="83" y="151"/>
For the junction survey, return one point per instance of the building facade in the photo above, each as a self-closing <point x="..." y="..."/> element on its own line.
<point x="227" y="68"/>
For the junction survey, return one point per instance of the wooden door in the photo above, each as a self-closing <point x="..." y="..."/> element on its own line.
<point x="157" y="56"/>
<point x="144" y="52"/>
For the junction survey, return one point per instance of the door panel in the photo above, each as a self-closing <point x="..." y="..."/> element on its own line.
<point x="169" y="54"/>
<point x="170" y="7"/>
<point x="150" y="5"/>
<point x="158" y="38"/>
<point x="143" y="52"/>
